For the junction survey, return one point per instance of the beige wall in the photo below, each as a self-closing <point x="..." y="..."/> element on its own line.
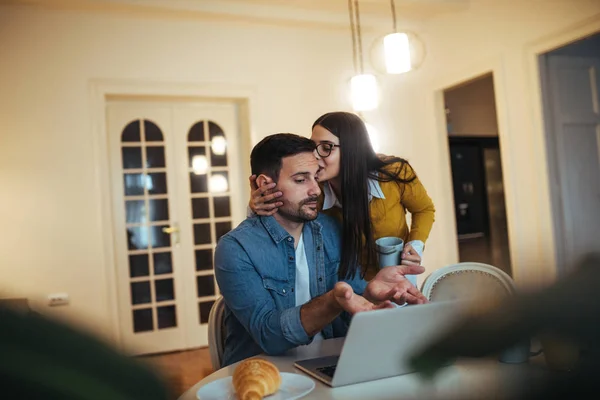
<point x="50" y="203"/>
<point x="472" y="108"/>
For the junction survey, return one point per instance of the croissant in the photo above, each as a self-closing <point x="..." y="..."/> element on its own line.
<point x="256" y="378"/>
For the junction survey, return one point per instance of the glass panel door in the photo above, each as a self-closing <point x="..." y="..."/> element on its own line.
<point x="208" y="135"/>
<point x="145" y="228"/>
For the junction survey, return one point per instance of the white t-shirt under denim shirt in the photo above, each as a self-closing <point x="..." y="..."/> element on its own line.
<point x="302" y="288"/>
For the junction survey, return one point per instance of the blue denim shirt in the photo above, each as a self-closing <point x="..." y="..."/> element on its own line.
<point x="255" y="268"/>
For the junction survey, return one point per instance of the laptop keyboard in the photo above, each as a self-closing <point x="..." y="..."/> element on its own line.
<point x="329" y="370"/>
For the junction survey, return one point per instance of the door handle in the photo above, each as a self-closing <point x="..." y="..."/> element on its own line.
<point x="172" y="230"/>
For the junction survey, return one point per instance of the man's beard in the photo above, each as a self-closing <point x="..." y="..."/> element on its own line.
<point x="299" y="214"/>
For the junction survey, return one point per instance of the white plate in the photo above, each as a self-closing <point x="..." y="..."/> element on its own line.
<point x="293" y="386"/>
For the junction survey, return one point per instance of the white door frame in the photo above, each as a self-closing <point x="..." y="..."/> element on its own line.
<point x="552" y="228"/>
<point x="545" y="270"/>
<point x="100" y="91"/>
<point x="560" y="202"/>
<point x="465" y="74"/>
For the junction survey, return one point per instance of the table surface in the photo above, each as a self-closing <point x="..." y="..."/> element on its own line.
<point x="465" y="379"/>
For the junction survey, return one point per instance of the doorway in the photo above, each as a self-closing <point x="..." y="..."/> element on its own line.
<point x="175" y="180"/>
<point x="570" y="80"/>
<point x="475" y="158"/>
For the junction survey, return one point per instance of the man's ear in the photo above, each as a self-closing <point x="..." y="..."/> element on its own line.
<point x="263" y="180"/>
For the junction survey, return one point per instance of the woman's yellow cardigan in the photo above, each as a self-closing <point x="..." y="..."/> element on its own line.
<point x="388" y="216"/>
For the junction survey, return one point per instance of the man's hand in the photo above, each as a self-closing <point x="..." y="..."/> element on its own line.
<point x="391" y="284"/>
<point x="410" y="256"/>
<point x="320" y="311"/>
<point x="354" y="303"/>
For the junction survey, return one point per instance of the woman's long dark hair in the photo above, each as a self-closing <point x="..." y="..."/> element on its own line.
<point x="358" y="163"/>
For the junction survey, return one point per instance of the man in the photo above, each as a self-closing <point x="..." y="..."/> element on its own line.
<point x="278" y="274"/>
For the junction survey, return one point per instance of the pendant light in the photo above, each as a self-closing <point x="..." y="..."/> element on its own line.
<point x="364" y="91"/>
<point x="396" y="47"/>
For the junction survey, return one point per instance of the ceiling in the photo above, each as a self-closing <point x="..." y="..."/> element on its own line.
<point x="404" y="8"/>
<point x="331" y="13"/>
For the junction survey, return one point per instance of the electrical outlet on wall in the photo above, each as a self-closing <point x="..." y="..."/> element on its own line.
<point x="58" y="299"/>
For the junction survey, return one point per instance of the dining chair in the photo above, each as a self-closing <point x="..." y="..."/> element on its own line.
<point x="471" y="280"/>
<point x="216" y="333"/>
<point x="467" y="280"/>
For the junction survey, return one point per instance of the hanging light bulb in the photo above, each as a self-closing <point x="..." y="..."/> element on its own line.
<point x="199" y="165"/>
<point x="218" y="145"/>
<point x="396" y="48"/>
<point x="397" y="53"/>
<point x="364" y="92"/>
<point x="218" y="183"/>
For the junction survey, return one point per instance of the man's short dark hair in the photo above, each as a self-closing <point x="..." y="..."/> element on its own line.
<point x="266" y="156"/>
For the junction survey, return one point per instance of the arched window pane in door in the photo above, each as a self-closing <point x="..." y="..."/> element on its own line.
<point x="196" y="133"/>
<point x="131" y="132"/>
<point x="214" y="130"/>
<point x="152" y="132"/>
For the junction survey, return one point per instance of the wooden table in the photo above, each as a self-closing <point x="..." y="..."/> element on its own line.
<point x="465" y="379"/>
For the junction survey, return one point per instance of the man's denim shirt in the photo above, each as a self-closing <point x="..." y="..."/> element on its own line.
<point x="255" y="268"/>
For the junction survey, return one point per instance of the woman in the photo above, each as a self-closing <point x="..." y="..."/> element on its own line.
<point x="369" y="193"/>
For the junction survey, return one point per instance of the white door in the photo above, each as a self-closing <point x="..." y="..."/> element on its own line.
<point x="574" y="84"/>
<point x="173" y="167"/>
<point x="209" y="201"/>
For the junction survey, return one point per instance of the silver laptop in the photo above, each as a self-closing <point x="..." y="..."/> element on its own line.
<point x="380" y="343"/>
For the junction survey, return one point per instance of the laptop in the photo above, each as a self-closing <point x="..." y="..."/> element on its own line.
<point x="380" y="343"/>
